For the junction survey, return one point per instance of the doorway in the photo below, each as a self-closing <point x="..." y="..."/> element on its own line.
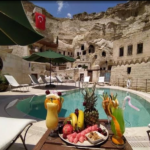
<point x="81" y="76"/>
<point x="90" y="74"/>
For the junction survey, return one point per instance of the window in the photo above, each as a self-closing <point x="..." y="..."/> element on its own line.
<point x="64" y="52"/>
<point x="59" y="52"/>
<point x="140" y="48"/>
<point x="95" y="56"/>
<point x="109" y="67"/>
<point x="84" y="53"/>
<point x="82" y="47"/>
<point x="121" y="50"/>
<point x="77" y="53"/>
<point x="71" y="53"/>
<point x="103" y="53"/>
<point x="130" y="47"/>
<point x="68" y="53"/>
<point x="128" y="70"/>
<point x="91" y="49"/>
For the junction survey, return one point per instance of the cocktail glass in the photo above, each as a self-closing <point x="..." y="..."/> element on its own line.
<point x="52" y="118"/>
<point x="118" y="126"/>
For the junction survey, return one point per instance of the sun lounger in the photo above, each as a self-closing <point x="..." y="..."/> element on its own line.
<point x="34" y="80"/>
<point x="11" y="129"/>
<point x="46" y="79"/>
<point x="85" y="81"/>
<point x="101" y="81"/>
<point x="13" y="83"/>
<point x="64" y="81"/>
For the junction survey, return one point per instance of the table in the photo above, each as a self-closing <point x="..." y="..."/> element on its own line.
<point x="47" y="142"/>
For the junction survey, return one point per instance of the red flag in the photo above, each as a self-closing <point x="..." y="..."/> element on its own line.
<point x="40" y="21"/>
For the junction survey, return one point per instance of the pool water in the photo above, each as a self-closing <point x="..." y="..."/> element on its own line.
<point x="74" y="99"/>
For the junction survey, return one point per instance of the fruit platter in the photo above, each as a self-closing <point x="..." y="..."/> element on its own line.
<point x="81" y="138"/>
<point x="81" y="127"/>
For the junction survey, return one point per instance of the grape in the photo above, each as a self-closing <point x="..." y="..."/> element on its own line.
<point x="99" y="130"/>
<point x="64" y="136"/>
<point x="76" y="109"/>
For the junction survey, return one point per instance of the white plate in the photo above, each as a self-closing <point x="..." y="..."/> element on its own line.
<point x="86" y="143"/>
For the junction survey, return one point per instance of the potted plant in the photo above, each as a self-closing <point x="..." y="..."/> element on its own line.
<point x="3" y="82"/>
<point x="84" y="67"/>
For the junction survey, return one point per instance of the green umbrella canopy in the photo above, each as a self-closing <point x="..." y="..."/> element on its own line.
<point x="15" y="28"/>
<point x="48" y="56"/>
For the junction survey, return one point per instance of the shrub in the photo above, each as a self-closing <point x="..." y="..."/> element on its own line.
<point x="3" y="82"/>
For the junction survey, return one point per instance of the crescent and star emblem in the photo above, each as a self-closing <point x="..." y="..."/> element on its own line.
<point x="40" y="18"/>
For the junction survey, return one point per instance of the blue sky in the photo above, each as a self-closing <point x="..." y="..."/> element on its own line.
<point x="63" y="9"/>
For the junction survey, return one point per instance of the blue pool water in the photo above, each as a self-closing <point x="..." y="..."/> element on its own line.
<point x="74" y="99"/>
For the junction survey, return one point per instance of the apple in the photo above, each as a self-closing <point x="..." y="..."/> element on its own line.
<point x="67" y="129"/>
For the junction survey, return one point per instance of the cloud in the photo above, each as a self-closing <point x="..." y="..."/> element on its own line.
<point x="69" y="16"/>
<point x="60" y="5"/>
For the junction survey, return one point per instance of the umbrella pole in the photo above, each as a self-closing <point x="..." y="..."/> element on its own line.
<point x="50" y="70"/>
<point x="50" y="85"/>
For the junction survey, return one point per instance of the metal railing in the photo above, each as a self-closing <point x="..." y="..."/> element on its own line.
<point x="136" y="84"/>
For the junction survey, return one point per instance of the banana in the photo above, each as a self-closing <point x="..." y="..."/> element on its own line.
<point x="74" y="120"/>
<point x="80" y="122"/>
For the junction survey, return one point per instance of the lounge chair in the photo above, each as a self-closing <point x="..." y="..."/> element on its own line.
<point x="64" y="81"/>
<point x="13" y="83"/>
<point x="85" y="81"/>
<point x="11" y="129"/>
<point x="101" y="80"/>
<point x="46" y="79"/>
<point x="34" y="80"/>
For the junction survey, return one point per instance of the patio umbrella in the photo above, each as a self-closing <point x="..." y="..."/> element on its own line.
<point x="15" y="28"/>
<point x="49" y="56"/>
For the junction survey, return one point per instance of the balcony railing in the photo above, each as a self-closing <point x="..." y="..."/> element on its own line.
<point x="136" y="84"/>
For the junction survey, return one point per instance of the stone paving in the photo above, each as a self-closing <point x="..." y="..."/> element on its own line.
<point x="136" y="136"/>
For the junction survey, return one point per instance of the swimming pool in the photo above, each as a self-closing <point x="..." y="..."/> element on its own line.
<point x="74" y="99"/>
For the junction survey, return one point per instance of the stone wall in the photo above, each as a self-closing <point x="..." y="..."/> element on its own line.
<point x="15" y="66"/>
<point x="19" y="68"/>
<point x="134" y="39"/>
<point x="139" y="73"/>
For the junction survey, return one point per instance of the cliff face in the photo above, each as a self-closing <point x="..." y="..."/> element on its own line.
<point x="119" y="21"/>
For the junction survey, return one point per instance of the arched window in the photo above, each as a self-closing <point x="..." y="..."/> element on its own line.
<point x="82" y="47"/>
<point x="91" y="49"/>
<point x="104" y="54"/>
<point x="84" y="53"/>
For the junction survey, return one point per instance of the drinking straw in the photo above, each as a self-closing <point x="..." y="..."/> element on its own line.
<point x="129" y="103"/>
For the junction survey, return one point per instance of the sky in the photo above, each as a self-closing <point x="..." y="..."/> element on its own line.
<point x="66" y="9"/>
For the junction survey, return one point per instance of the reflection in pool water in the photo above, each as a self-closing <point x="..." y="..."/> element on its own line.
<point x="74" y="99"/>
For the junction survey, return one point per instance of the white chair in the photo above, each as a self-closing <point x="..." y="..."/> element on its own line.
<point x="34" y="80"/>
<point x="13" y="83"/>
<point x="64" y="81"/>
<point x="101" y="80"/>
<point x="11" y="129"/>
<point x="85" y="81"/>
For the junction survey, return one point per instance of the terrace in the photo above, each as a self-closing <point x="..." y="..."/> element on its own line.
<point x="136" y="136"/>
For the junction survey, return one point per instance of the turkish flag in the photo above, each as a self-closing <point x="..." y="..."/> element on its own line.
<point x="40" y="21"/>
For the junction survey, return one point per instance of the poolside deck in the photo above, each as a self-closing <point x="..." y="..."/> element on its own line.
<point x="137" y="136"/>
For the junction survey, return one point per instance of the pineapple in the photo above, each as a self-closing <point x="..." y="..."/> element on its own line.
<point x="91" y="115"/>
